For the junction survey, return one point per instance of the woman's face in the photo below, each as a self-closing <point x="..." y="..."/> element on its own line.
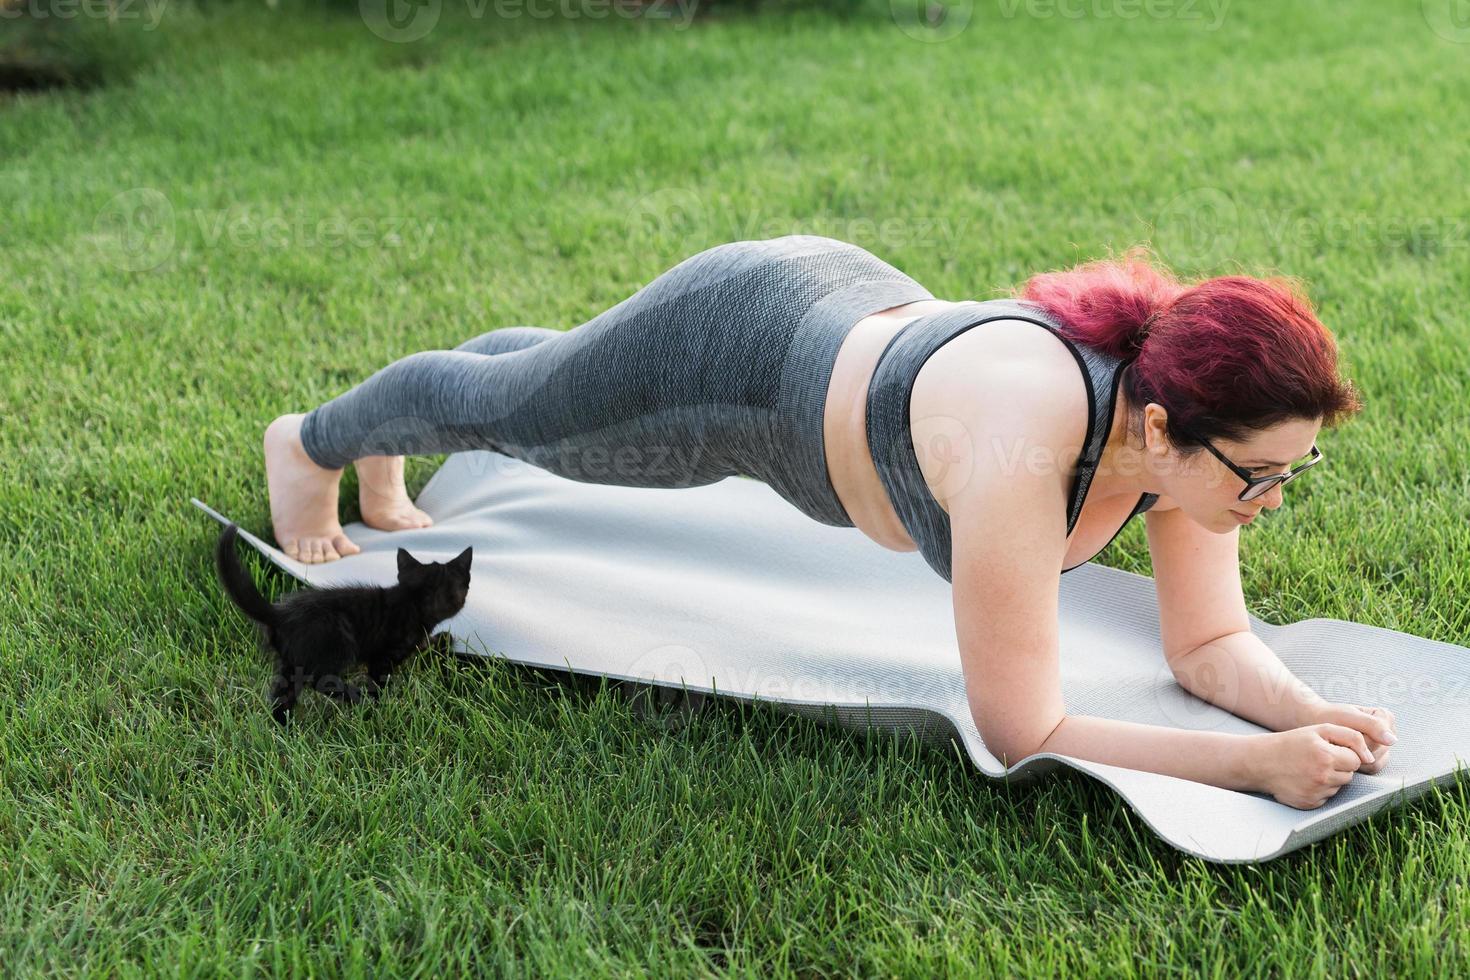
<point x="1209" y="492"/>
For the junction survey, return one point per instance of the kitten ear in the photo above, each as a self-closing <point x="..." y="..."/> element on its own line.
<point x="463" y="559"/>
<point x="406" y="561"/>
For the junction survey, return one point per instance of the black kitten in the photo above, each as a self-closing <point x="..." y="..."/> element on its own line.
<point x="318" y="634"/>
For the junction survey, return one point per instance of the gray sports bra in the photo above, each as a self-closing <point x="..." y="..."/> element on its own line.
<point x="888" y="418"/>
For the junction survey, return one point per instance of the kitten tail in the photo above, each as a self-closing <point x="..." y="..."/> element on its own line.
<point x="237" y="582"/>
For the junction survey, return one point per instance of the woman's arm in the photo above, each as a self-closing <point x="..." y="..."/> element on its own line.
<point x="1006" y="606"/>
<point x="1009" y="539"/>
<point x="1221" y="759"/>
<point x="1239" y="673"/>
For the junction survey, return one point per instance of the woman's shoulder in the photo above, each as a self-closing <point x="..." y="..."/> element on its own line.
<point x="1016" y="363"/>
<point x="1011" y="391"/>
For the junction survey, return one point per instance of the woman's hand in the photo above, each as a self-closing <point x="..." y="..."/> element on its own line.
<point x="1376" y="724"/>
<point x="1304" y="767"/>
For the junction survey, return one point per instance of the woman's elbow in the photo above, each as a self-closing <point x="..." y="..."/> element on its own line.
<point x="1013" y="742"/>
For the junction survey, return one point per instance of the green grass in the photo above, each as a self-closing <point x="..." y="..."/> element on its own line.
<point x="152" y="818"/>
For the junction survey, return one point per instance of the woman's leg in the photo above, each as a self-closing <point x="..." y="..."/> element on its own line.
<point x="382" y="495"/>
<point x="632" y="397"/>
<point x="303" y="494"/>
<point x="612" y="401"/>
<point x="682" y="384"/>
<point x="503" y="340"/>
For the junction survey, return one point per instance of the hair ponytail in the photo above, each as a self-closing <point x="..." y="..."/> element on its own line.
<point x="1109" y="304"/>
<point x="1225" y="356"/>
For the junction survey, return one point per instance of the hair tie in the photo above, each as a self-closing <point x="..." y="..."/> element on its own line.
<point x="1141" y="333"/>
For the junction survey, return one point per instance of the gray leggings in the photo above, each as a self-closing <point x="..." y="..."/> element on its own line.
<point x="719" y="367"/>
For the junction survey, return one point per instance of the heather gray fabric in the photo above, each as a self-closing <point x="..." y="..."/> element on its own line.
<point x="718" y="367"/>
<point x="727" y="588"/>
<point x="889" y="422"/>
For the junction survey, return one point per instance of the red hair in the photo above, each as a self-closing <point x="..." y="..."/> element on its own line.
<point x="1225" y="356"/>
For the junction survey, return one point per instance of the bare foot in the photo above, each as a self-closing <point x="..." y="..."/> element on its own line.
<point x="303" y="497"/>
<point x="382" y="496"/>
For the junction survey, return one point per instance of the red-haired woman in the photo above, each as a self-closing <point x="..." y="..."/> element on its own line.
<point x="1008" y="441"/>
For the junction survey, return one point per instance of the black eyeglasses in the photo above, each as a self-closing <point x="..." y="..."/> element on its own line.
<point x="1255" y="486"/>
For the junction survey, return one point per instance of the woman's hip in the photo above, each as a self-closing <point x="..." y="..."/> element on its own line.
<point x="720" y="365"/>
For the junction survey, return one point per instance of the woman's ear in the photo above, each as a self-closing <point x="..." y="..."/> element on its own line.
<point x="1155" y="422"/>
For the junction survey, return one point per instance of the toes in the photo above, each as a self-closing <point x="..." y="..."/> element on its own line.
<point x="313" y="551"/>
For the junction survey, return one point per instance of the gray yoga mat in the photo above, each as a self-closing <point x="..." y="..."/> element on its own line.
<point x="728" y="589"/>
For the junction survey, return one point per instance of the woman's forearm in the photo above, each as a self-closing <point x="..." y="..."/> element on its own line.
<point x="1222" y="759"/>
<point x="1245" y="677"/>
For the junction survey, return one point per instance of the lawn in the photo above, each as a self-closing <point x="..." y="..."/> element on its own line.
<point x="260" y="205"/>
